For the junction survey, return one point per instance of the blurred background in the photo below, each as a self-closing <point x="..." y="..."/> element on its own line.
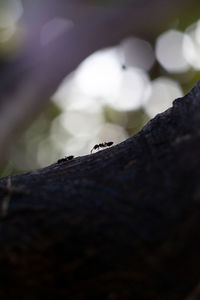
<point x="111" y="94"/>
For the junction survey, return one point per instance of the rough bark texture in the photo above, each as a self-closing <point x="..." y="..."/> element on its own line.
<point x="122" y="223"/>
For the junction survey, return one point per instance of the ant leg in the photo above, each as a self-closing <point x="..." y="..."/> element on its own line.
<point x="94" y="148"/>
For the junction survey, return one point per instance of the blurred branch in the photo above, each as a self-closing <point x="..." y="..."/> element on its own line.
<point x="29" y="80"/>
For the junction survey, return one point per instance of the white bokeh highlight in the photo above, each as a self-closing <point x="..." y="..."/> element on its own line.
<point x="137" y="53"/>
<point x="69" y="96"/>
<point x="191" y="45"/>
<point x="100" y="74"/>
<point x="133" y="92"/>
<point x="81" y="123"/>
<point x="164" y="91"/>
<point x="169" y="51"/>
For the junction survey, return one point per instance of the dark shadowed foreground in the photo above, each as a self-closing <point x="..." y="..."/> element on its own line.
<point x="123" y="223"/>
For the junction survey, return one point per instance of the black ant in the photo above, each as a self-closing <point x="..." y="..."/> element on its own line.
<point x="102" y="145"/>
<point x="65" y="159"/>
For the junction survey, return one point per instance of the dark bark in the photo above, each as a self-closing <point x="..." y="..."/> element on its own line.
<point x="122" y="223"/>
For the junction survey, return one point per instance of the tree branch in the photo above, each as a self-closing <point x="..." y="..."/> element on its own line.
<point x="122" y="223"/>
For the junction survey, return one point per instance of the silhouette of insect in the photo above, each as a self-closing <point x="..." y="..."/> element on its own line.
<point x="65" y="159"/>
<point x="102" y="145"/>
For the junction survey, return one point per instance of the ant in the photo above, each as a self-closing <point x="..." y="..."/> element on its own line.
<point x="102" y="145"/>
<point x="65" y="159"/>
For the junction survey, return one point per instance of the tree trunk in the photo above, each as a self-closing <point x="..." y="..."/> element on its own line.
<point x="122" y="223"/>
